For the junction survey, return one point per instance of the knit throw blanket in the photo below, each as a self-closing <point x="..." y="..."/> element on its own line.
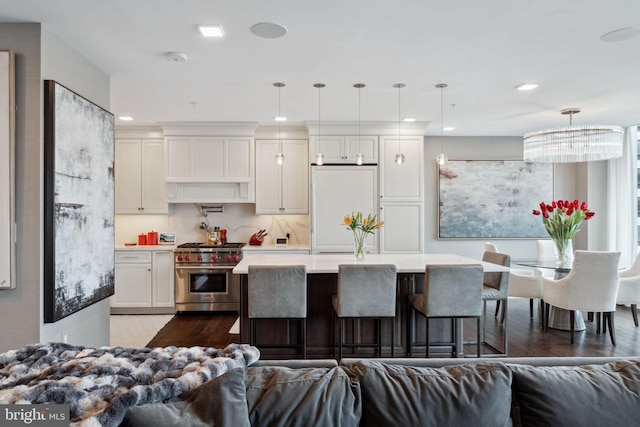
<point x="99" y="384"/>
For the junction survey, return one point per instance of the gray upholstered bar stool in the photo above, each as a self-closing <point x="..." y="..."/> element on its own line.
<point x="365" y="290"/>
<point x="495" y="288"/>
<point x="449" y="291"/>
<point x="278" y="292"/>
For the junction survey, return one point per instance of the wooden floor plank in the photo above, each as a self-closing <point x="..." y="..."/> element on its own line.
<point x="525" y="335"/>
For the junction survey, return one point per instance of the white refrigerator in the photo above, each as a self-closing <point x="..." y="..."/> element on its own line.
<point x="337" y="191"/>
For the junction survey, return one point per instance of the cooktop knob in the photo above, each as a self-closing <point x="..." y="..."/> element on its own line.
<point x="214" y="258"/>
<point x="199" y="257"/>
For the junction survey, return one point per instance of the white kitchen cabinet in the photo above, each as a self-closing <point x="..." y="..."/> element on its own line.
<point x="343" y="149"/>
<point x="403" y="230"/>
<point x="132" y="279"/>
<point x="163" y="279"/>
<point x="139" y="178"/>
<point x="403" y="182"/>
<point x="282" y="189"/>
<point x="338" y="191"/>
<point x="144" y="281"/>
<point x="209" y="159"/>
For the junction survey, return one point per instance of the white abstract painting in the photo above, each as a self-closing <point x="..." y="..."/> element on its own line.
<point x="79" y="199"/>
<point x="492" y="199"/>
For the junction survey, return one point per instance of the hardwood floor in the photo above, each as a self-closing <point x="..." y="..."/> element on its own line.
<point x="524" y="334"/>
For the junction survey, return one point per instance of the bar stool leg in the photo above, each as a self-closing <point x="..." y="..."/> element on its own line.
<point x="393" y="337"/>
<point x="427" y="338"/>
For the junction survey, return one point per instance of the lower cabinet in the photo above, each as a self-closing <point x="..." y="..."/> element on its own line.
<point x="144" y="282"/>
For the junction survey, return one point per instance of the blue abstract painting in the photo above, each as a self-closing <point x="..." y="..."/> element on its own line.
<point x="492" y="199"/>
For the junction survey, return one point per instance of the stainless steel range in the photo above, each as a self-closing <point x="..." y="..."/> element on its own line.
<point x="204" y="278"/>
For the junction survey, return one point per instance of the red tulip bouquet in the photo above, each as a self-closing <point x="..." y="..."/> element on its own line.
<point x="561" y="219"/>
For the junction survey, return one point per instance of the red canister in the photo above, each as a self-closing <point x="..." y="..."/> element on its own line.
<point x="142" y="239"/>
<point x="152" y="238"/>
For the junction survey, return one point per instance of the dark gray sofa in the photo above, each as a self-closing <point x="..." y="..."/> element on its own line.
<point x="407" y="392"/>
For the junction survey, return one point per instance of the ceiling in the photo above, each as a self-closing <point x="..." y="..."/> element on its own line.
<point x="481" y="49"/>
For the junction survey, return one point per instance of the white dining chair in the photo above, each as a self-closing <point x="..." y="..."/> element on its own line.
<point x="522" y="284"/>
<point x="629" y="289"/>
<point x="591" y="285"/>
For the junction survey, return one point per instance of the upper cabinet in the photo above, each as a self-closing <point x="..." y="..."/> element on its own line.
<point x="282" y="189"/>
<point x="209" y="162"/>
<point x="402" y="182"/>
<point x="139" y="180"/>
<point x="209" y="159"/>
<point x="344" y="149"/>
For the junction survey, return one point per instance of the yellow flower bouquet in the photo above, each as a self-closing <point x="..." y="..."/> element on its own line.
<point x="361" y="226"/>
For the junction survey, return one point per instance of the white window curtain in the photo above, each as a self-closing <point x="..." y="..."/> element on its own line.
<point x="622" y="233"/>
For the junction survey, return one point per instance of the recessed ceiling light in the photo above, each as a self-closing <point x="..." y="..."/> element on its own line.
<point x="527" y="86"/>
<point x="621" y="34"/>
<point x="409" y="119"/>
<point x="211" y="30"/>
<point x="125" y="118"/>
<point x="268" y="30"/>
<point x="280" y="119"/>
<point x="448" y="129"/>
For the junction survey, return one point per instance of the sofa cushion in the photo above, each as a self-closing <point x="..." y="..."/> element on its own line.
<point x="461" y="395"/>
<point x="302" y="397"/>
<point x="218" y="402"/>
<point x="590" y="395"/>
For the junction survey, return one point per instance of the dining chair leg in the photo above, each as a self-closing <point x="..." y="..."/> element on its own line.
<point x="454" y="333"/>
<point x="604" y="325"/>
<point x="634" y="313"/>
<point x="531" y="308"/>
<point x="546" y="317"/>
<point x="333" y="333"/>
<point x="572" y="320"/>
<point x="598" y="322"/>
<point x="612" y="333"/>
<point x="497" y="308"/>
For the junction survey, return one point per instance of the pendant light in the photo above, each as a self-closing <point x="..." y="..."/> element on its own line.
<point x="319" y="155"/>
<point x="359" y="156"/>
<point x="399" y="158"/>
<point x="441" y="158"/>
<point x="574" y="143"/>
<point x="279" y="118"/>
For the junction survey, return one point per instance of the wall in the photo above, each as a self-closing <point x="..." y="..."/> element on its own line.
<point x="238" y="219"/>
<point x="39" y="55"/>
<point x="20" y="307"/>
<point x="89" y="326"/>
<point x="570" y="182"/>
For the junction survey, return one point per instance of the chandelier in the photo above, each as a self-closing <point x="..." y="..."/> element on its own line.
<point x="574" y="143"/>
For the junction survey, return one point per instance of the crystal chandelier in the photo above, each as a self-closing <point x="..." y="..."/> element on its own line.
<point x="574" y="143"/>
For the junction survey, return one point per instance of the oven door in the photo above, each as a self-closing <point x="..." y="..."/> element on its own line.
<point x="206" y="289"/>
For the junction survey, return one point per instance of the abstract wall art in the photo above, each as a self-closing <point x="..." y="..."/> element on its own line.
<point x="492" y="199"/>
<point x="79" y="202"/>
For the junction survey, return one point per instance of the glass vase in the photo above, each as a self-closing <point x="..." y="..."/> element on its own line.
<point x="359" y="245"/>
<point x="564" y="252"/>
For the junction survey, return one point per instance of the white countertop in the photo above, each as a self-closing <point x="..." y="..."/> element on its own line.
<point x="273" y="247"/>
<point x="328" y="263"/>
<point x="145" y="248"/>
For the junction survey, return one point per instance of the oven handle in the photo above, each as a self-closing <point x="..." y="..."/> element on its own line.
<point x="204" y="267"/>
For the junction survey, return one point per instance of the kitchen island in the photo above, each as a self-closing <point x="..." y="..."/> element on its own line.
<point x="322" y="282"/>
